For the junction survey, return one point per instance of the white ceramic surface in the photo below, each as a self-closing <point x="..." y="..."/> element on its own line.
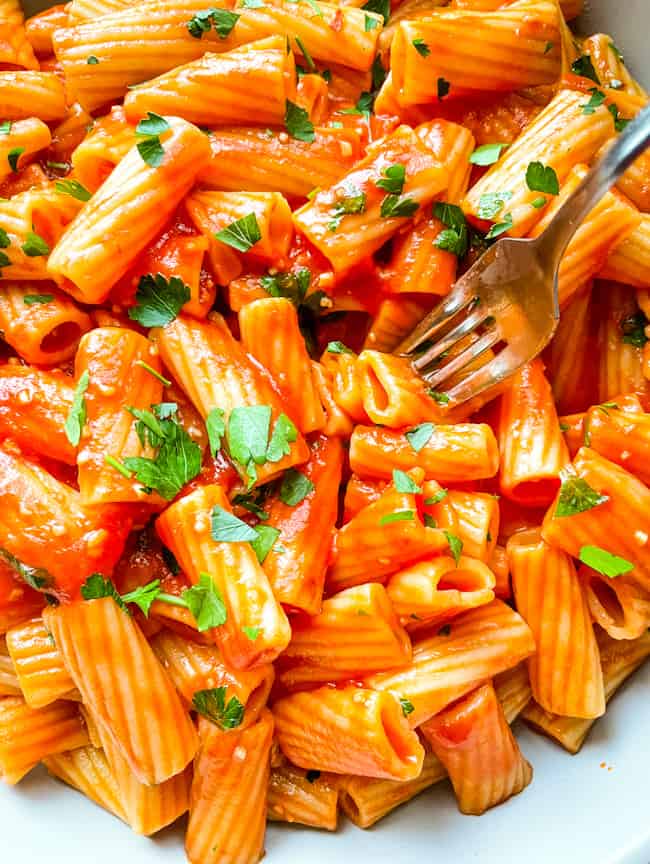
<point x="574" y="812"/>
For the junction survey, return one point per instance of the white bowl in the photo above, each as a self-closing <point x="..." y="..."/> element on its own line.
<point x="586" y="809"/>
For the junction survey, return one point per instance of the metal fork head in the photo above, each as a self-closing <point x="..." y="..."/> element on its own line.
<point x="508" y="298"/>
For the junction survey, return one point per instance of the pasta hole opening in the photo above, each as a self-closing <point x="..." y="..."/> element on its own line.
<point x="380" y="397"/>
<point x="608" y="599"/>
<point x="535" y="493"/>
<point x="62" y="337"/>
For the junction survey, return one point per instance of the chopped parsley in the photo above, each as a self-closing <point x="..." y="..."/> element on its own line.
<point x="297" y="122"/>
<point x="633" y="330"/>
<point x="149" y="130"/>
<point x="369" y="23"/>
<point x="251" y="632"/>
<point x="585" y="68"/>
<point x="542" y="178"/>
<point x="35" y="577"/>
<point x="158" y="300"/>
<point x="293" y="286"/>
<point x="491" y="203"/>
<point x="403" y="483"/>
<point x="295" y="487"/>
<point x="419" y="436"/>
<point x="222" y="20"/>
<point x="76" y="419"/>
<point x="36" y="299"/>
<point x="338" y="348"/>
<point x="34" y="246"/>
<point x="212" y="704"/>
<point x="164" y="381"/>
<point x="500" y="227"/>
<point x="597" y="99"/>
<point x="442" y="88"/>
<point x="73" y="188"/>
<point x="577" y="496"/>
<point x="604" y="562"/>
<point x="393" y="179"/>
<point x="13" y="156"/>
<point x="407" y="706"/>
<point x="228" y="528"/>
<point x="487" y="154"/>
<point x="91" y="60"/>
<point x="353" y="201"/>
<point x="440" y="495"/>
<point x="263" y="543"/>
<point x="421" y="47"/>
<point x="440" y="398"/>
<point x="455" y="237"/>
<point x="455" y="545"/>
<point x="216" y="429"/>
<point x="398" y="516"/>
<point x="242" y="234"/>
<point x="379" y="7"/>
<point x="398" y="206"/>
<point x="206" y="604"/>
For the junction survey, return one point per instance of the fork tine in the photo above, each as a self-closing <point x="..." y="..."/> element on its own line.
<point x="456" y="364"/>
<point x="504" y="364"/>
<point x="476" y="317"/>
<point x="437" y="318"/>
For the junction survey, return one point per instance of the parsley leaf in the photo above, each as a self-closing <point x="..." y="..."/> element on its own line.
<point x="251" y="632"/>
<point x="421" y="47"/>
<point x="633" y="329"/>
<point x="407" y="706"/>
<point x="4" y="260"/>
<point x="398" y="516"/>
<point x="491" y="203"/>
<point x="263" y="543"/>
<point x="440" y="398"/>
<point x="5" y="127"/>
<point x="442" y="88"/>
<point x="370" y="23"/>
<point x="619" y="122"/>
<point x="455" y="545"/>
<point x="91" y="60"/>
<point x="538" y="202"/>
<point x="395" y="206"/>
<point x="354" y="201"/>
<point x="455" y="238"/>
<point x="379" y="7"/>
<point x="487" y="154"/>
<point x="577" y="496"/>
<point x="242" y="234"/>
<point x="4" y="239"/>
<point x="227" y="528"/>
<point x="13" y="156"/>
<point x="297" y="122"/>
<point x="440" y="495"/>
<point x="338" y="348"/>
<point x="222" y="20"/>
<point x="248" y="434"/>
<point x="76" y="418"/>
<point x="34" y="246"/>
<point x="35" y="577"/>
<point x="212" y="704"/>
<point x="584" y="67"/>
<point x="205" y="603"/>
<point x="284" y="433"/>
<point x="252" y="501"/>
<point x="597" y="99"/>
<point x="295" y="487"/>
<point x="604" y="562"/>
<point x="96" y="586"/>
<point x="177" y="462"/>
<point x="216" y="428"/>
<point x="34" y="299"/>
<point x="158" y="301"/>
<point x="164" y="381"/>
<point x="73" y="188"/>
<point x="403" y="483"/>
<point x="293" y="286"/>
<point x="500" y="227"/>
<point x="418" y="437"/>
<point x="616" y="52"/>
<point x="151" y="151"/>
<point x="393" y="179"/>
<point x="152" y="125"/>
<point x="143" y="596"/>
<point x="363" y="107"/>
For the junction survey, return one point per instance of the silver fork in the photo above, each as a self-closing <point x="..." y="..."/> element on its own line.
<point x="511" y="293"/>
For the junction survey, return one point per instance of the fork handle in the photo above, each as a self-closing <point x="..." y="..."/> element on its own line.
<point x="631" y="143"/>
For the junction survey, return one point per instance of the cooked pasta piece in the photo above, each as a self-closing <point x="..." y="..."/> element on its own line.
<point x="186" y="529"/>
<point x="629" y="261"/>
<point x="395" y="319"/>
<point x="229" y="793"/>
<point x="18" y="601"/>
<point x="39" y="664"/>
<point x="215" y="372"/>
<point x="474" y="742"/>
<point x="41" y="324"/>
<point x="621" y="436"/>
<point x="40" y="28"/>
<point x="34" y="405"/>
<point x="513" y="691"/>
<point x="476" y="522"/>
<point x="621" y="355"/>
<point x="475" y="51"/>
<point x="87" y="770"/>
<point x="620" y="606"/>
<point x="348" y="730"/>
<point x="128" y="211"/>
<point x="619" y="658"/>
<point x="565" y="672"/>
<point x="117" y="674"/>
<point x="464" y="451"/>
<point x="22" y="140"/>
<point x="391" y="392"/>
<point x="356" y="631"/>
<point x="9" y="685"/>
<point x="249" y="85"/>
<point x="618" y="519"/>
<point x="15" y="49"/>
<point x="448" y="664"/>
<point x="108" y="141"/>
<point x="354" y="217"/>
<point x="531" y="444"/>
<point x="545" y="140"/>
<point x="418" y="265"/>
<point x="296" y="564"/>
<point x="295" y="795"/>
<point x="28" y="735"/>
<point x="31" y="94"/>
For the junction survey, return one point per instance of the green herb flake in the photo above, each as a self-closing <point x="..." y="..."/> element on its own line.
<point x="379" y="7"/>
<point x="216" y="429"/>
<point x="5" y="127"/>
<point x="604" y="562"/>
<point x="633" y="330"/>
<point x="91" y="60"/>
<point x="438" y="397"/>
<point x="37" y="299"/>
<point x="212" y="704"/>
<point x="227" y="528"/>
<point x="263" y="542"/>
<point x="440" y="495"/>
<point x="407" y="706"/>
<point x="421" y="47"/>
<point x="487" y="154"/>
<point x="73" y="188"/>
<point x="419" y="436"/>
<point x="242" y="234"/>
<point x="158" y="300"/>
<point x="403" y="483"/>
<point x="297" y="122"/>
<point x="455" y="237"/>
<point x="596" y="100"/>
<point x="542" y="178"/>
<point x="442" y="87"/>
<point x="538" y="202"/>
<point x="76" y="418"/>
<point x="398" y="516"/>
<point x="369" y="23"/>
<point x="97" y="586"/>
<point x="393" y="179"/>
<point x="206" y="604"/>
<point x="491" y="203"/>
<point x="251" y="632"/>
<point x="394" y="206"/>
<point x="295" y="487"/>
<point x="143" y="596"/>
<point x="13" y="156"/>
<point x="352" y="201"/>
<point x="577" y="496"/>
<point x="455" y="545"/>
<point x="500" y="227"/>
<point x="338" y="348"/>
<point x="585" y="68"/>
<point x="34" y="246"/>
<point x="222" y="20"/>
<point x="284" y="434"/>
<point x="164" y="381"/>
<point x="35" y="577"/>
